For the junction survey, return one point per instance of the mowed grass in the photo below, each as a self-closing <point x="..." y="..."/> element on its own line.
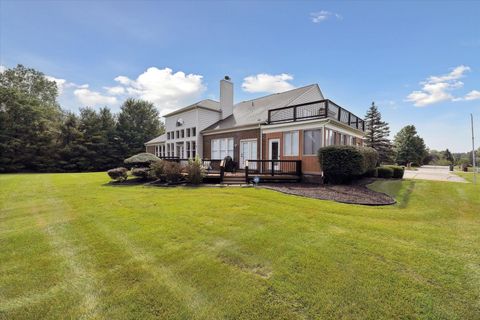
<point x="73" y="247"/>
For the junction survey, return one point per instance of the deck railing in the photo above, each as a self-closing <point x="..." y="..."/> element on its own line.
<point x="315" y="110"/>
<point x="272" y="168"/>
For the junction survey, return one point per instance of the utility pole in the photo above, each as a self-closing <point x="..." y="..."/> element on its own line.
<point x="473" y="152"/>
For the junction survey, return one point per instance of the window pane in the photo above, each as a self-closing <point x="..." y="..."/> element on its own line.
<point x="295" y="143"/>
<point x="287" y="144"/>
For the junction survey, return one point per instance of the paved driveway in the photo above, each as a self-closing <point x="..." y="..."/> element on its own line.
<point x="437" y="173"/>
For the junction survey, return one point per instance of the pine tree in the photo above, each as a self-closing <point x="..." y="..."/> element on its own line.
<point x="138" y="122"/>
<point x="376" y="134"/>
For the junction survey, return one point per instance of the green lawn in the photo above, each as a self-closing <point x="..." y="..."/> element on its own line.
<point x="72" y="247"/>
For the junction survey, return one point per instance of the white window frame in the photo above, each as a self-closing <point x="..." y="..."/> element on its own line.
<point x="220" y="148"/>
<point x="291" y="143"/>
<point x="305" y="133"/>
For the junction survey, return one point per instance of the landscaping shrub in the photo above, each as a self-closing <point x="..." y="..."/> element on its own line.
<point x="118" y="174"/>
<point x="340" y="164"/>
<point x="157" y="170"/>
<point x="195" y="171"/>
<point x="398" y="171"/>
<point x="372" y="173"/>
<point x="143" y="173"/>
<point x="370" y="156"/>
<point x="385" y="172"/>
<point x="172" y="171"/>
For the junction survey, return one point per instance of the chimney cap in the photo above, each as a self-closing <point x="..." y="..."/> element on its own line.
<point x="227" y="78"/>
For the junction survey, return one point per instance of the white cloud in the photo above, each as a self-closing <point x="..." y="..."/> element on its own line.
<point x="167" y="90"/>
<point x="2" y="68"/>
<point x="92" y="98"/>
<point x="115" y="90"/>
<point x="268" y="83"/>
<point x="437" y="88"/>
<point x="323" y="15"/>
<point x="472" y="95"/>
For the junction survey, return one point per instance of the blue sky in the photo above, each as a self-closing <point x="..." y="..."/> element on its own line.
<point x="420" y="62"/>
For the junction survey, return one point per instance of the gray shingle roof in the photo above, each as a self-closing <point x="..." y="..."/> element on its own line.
<point x="255" y="111"/>
<point x="156" y="140"/>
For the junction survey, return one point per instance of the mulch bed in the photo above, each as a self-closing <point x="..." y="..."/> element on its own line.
<point x="353" y="194"/>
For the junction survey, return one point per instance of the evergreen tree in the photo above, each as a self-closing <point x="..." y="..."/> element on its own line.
<point x="71" y="148"/>
<point x="447" y="155"/>
<point x="376" y="134"/>
<point x="409" y="147"/>
<point x="138" y="122"/>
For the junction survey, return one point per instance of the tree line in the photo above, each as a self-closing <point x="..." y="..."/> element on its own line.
<point x="407" y="147"/>
<point x="37" y="135"/>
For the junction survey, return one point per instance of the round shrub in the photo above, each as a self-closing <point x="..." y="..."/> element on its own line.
<point x="398" y="171"/>
<point x="195" y="171"/>
<point x="157" y="170"/>
<point x="118" y="174"/>
<point x="172" y="171"/>
<point x="385" y="172"/>
<point x="341" y="164"/>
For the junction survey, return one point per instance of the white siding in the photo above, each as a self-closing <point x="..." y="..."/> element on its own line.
<point x="197" y="118"/>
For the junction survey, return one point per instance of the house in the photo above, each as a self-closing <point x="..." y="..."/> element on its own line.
<point x="283" y="128"/>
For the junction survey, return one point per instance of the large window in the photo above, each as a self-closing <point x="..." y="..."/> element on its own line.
<point x="222" y="148"/>
<point x="290" y="143"/>
<point x="194" y="132"/>
<point x="329" y="137"/>
<point x="312" y="141"/>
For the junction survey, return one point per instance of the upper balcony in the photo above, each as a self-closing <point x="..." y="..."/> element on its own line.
<point x="320" y="109"/>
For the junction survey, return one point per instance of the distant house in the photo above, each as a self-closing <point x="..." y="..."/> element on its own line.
<point x="290" y="125"/>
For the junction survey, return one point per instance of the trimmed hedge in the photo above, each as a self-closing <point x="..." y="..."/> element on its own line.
<point x="385" y="172"/>
<point x="371" y="157"/>
<point x="118" y="174"/>
<point x="398" y="171"/>
<point x="372" y="173"/>
<point x="341" y="164"/>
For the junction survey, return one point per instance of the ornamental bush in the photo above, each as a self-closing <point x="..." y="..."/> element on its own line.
<point x="372" y="173"/>
<point x="157" y="170"/>
<point x="370" y="157"/>
<point x="385" y="172"/>
<point x="195" y="171"/>
<point x="143" y="173"/>
<point x="341" y="164"/>
<point x="118" y="174"/>
<point x="172" y="171"/>
<point x="398" y="171"/>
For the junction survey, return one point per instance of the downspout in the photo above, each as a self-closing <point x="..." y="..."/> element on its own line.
<point x="261" y="142"/>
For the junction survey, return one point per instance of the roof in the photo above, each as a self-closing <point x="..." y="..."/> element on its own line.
<point x="157" y="140"/>
<point x="208" y="104"/>
<point x="255" y="111"/>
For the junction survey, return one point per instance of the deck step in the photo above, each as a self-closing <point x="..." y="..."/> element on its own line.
<point x="233" y="180"/>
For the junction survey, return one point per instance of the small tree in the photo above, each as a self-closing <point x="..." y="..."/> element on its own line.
<point x="447" y="155"/>
<point x="376" y="134"/>
<point x="409" y="147"/>
<point x="195" y="171"/>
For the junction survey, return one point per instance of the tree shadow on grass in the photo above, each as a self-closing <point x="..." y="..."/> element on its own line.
<point x="405" y="193"/>
<point x="127" y="183"/>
